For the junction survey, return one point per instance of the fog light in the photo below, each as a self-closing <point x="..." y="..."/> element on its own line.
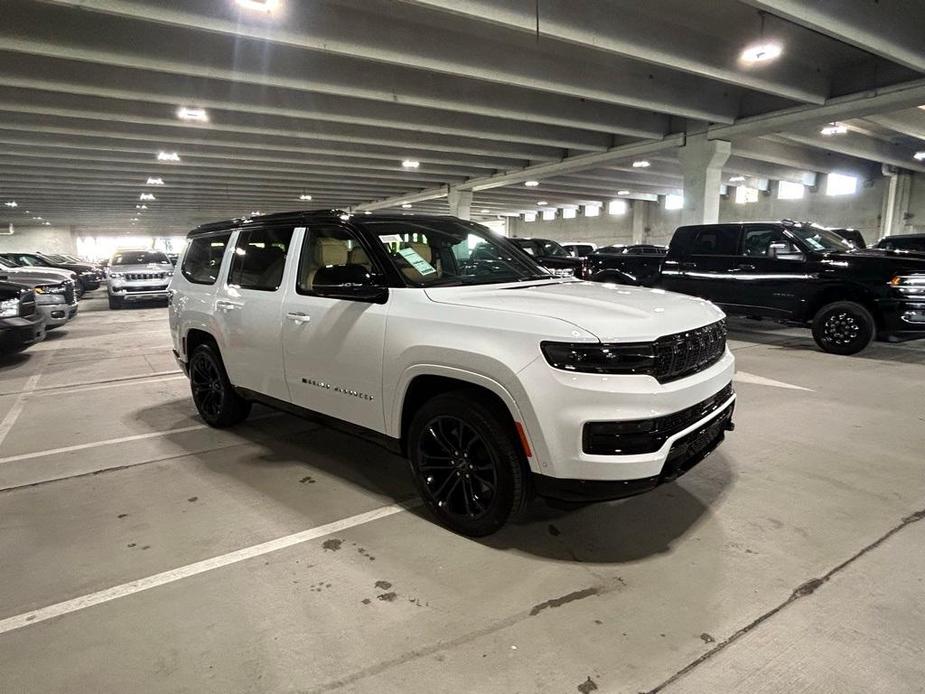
<point x="915" y="315"/>
<point x="57" y="314"/>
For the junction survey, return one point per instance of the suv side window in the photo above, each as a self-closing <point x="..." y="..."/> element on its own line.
<point x="259" y="258"/>
<point x="328" y="246"/>
<point x="715" y="240"/>
<point x="203" y="258"/>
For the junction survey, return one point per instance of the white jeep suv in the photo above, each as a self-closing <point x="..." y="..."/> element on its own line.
<point x="497" y="380"/>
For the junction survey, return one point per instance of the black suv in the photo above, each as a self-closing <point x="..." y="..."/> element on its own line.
<point x="551" y="256"/>
<point x="905" y="243"/>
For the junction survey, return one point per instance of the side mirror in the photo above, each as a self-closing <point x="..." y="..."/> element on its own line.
<point x="782" y="250"/>
<point x="349" y="282"/>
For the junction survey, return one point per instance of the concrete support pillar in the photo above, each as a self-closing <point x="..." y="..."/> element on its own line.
<point x="896" y="199"/>
<point x="702" y="166"/>
<point x="640" y="220"/>
<point x="460" y="203"/>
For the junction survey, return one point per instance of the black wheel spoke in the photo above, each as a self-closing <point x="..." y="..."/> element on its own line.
<point x="445" y="445"/>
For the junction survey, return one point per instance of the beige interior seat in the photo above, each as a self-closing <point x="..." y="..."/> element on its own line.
<point x="325" y="253"/>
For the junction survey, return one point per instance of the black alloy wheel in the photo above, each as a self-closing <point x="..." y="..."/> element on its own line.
<point x="214" y="396"/>
<point x="843" y="327"/>
<point x="467" y="463"/>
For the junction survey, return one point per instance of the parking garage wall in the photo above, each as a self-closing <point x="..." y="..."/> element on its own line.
<point x="42" y="239"/>
<point x="605" y="229"/>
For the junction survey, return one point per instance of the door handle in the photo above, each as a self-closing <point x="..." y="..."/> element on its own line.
<point x="745" y="267"/>
<point x="227" y="305"/>
<point x="687" y="265"/>
<point x="298" y="317"/>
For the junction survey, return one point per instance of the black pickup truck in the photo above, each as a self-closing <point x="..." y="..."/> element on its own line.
<point x="792" y="272"/>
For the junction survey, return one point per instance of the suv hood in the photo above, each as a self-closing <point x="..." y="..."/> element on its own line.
<point x="39" y="274"/>
<point x="611" y="313"/>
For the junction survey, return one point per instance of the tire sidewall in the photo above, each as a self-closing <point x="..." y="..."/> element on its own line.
<point x="505" y="454"/>
<point x="861" y="314"/>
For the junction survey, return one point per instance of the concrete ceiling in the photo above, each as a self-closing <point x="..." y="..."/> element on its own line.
<point x="327" y="98"/>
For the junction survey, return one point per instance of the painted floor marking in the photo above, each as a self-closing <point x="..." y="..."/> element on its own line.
<point x="745" y="377"/>
<point x="125" y="589"/>
<point x="106" y="383"/>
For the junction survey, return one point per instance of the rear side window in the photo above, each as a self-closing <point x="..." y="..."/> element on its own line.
<point x="260" y="258"/>
<point x="718" y="240"/>
<point x="203" y="258"/>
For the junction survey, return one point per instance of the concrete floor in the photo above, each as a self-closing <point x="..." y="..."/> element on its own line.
<point x="791" y="560"/>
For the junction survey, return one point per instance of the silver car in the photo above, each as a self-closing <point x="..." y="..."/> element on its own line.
<point x="138" y="275"/>
<point x="55" y="300"/>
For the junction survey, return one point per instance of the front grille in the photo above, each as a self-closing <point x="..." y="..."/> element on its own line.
<point x="647" y="435"/>
<point x="683" y="354"/>
<point x="149" y="288"/>
<point x="146" y="275"/>
<point x="27" y="304"/>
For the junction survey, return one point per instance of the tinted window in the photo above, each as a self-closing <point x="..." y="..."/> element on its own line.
<point x="259" y="258"/>
<point x="758" y="240"/>
<point x="899" y="243"/>
<point x="717" y="240"/>
<point x="203" y="258"/>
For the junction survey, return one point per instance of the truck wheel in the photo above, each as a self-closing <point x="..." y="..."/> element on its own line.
<point x="115" y="302"/>
<point x="843" y="327"/>
<point x="467" y="464"/>
<point x="214" y="396"/>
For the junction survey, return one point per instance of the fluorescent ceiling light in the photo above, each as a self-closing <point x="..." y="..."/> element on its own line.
<point x="486" y="211"/>
<point x="406" y="206"/>
<point x="168" y="156"/>
<point x="11" y="203"/>
<point x="762" y="52"/>
<point x="367" y="212"/>
<point x="48" y="224"/>
<point x="305" y="197"/>
<point x="737" y="179"/>
<point x="410" y="164"/>
<point x="198" y="115"/>
<point x="141" y="207"/>
<point x="542" y="202"/>
<point x="531" y="184"/>
<point x="834" y="129"/>
<point x="37" y="218"/>
<point x="147" y="196"/>
<point x="641" y="164"/>
<point x="623" y="192"/>
<point x="918" y="155"/>
<point x="259" y="5"/>
<point x="152" y="181"/>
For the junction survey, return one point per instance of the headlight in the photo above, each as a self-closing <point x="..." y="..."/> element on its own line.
<point x="597" y="358"/>
<point x="910" y="285"/>
<point x="116" y="275"/>
<point x="9" y="308"/>
<point x="51" y="289"/>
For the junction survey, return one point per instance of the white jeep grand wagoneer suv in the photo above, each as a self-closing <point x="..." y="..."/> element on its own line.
<point x="496" y="379"/>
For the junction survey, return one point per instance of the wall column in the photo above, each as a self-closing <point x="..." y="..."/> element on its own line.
<point x="702" y="166"/>
<point x="640" y="220"/>
<point x="460" y="202"/>
<point x="896" y="199"/>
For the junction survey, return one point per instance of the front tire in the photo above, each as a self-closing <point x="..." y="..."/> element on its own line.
<point x="467" y="463"/>
<point x="215" y="398"/>
<point x="843" y="327"/>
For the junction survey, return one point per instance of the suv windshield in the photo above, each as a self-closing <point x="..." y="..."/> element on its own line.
<point x="542" y="248"/>
<point x="140" y="258"/>
<point x="819" y="239"/>
<point x="430" y="253"/>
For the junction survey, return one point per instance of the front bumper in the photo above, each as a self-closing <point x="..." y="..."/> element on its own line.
<point x="56" y="315"/>
<point x="901" y="319"/>
<point x="19" y="333"/>
<point x="556" y="406"/>
<point x="140" y="291"/>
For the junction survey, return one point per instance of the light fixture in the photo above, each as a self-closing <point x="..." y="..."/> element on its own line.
<point x="542" y="202"/>
<point x="48" y="224"/>
<point x="761" y="52"/>
<point x="11" y="203"/>
<point x="531" y="184"/>
<point x="737" y="179"/>
<point x="486" y="211"/>
<point x="37" y="218"/>
<point x="197" y="115"/>
<point x="410" y="164"/>
<point x="147" y="196"/>
<point x="367" y="212"/>
<point x="260" y="5"/>
<point x="152" y="181"/>
<point x="406" y="206"/>
<point x="623" y="192"/>
<point x="168" y="156"/>
<point x="834" y="129"/>
<point x="305" y="197"/>
<point x="920" y="156"/>
<point x="141" y="207"/>
<point x="641" y="164"/>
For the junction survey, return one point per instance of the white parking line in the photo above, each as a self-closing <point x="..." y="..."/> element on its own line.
<point x="104" y="383"/>
<point x="120" y="591"/>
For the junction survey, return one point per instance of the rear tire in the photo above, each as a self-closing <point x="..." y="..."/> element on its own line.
<point x="467" y="463"/>
<point x="215" y="398"/>
<point x="843" y="327"/>
<point x="115" y="302"/>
